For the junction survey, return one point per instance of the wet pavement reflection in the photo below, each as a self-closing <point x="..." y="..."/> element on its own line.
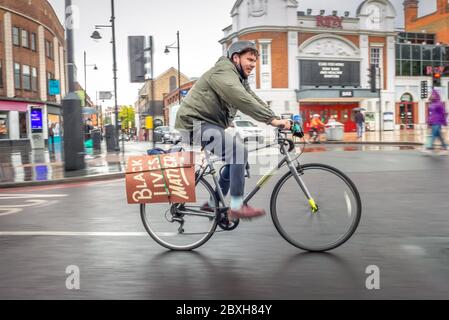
<point x="20" y="164"/>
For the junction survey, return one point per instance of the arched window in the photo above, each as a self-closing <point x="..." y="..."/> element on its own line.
<point x="173" y="83"/>
<point x="406" y="97"/>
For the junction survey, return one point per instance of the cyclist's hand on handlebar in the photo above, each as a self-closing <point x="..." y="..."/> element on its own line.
<point x="284" y="124"/>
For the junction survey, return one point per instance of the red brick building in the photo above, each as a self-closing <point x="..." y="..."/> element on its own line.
<point x="437" y="22"/>
<point x="31" y="54"/>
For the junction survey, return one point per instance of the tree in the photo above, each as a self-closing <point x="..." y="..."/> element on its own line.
<point x="127" y="117"/>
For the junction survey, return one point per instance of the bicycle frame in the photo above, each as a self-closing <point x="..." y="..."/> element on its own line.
<point x="262" y="182"/>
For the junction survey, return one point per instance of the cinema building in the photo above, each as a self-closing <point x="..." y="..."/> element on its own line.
<point x="318" y="62"/>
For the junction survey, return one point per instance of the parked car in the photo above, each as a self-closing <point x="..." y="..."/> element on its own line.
<point x="160" y="133"/>
<point x="165" y="135"/>
<point x="246" y="131"/>
<point x="174" y="136"/>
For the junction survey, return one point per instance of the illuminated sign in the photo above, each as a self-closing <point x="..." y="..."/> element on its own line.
<point x="329" y="73"/>
<point x="36" y="120"/>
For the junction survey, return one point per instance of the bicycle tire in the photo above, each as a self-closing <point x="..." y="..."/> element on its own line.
<point x="189" y="247"/>
<point x="351" y="193"/>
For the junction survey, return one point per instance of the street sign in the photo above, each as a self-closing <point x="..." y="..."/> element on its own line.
<point x="105" y="95"/>
<point x="54" y="87"/>
<point x="346" y="93"/>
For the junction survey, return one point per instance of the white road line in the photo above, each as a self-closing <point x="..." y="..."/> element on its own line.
<point x="71" y="234"/>
<point x="8" y="196"/>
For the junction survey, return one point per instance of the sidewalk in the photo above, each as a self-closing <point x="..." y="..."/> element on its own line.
<point x="26" y="167"/>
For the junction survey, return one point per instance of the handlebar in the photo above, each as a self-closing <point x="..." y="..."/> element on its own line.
<point x="295" y="129"/>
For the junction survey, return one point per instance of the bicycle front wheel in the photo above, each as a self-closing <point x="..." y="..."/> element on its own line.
<point x="338" y="211"/>
<point x="180" y="226"/>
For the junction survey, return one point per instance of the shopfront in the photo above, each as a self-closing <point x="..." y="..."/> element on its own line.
<point x="341" y="112"/>
<point x="13" y="121"/>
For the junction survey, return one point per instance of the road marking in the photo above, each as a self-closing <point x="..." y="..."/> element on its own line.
<point x="26" y="201"/>
<point x="71" y="234"/>
<point x="30" y="196"/>
<point x="415" y="250"/>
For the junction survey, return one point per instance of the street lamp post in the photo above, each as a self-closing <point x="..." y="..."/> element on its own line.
<point x="96" y="35"/>
<point x="85" y="77"/>
<point x="179" y="63"/>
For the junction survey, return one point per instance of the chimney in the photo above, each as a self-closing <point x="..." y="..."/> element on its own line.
<point x="442" y="6"/>
<point x="410" y="11"/>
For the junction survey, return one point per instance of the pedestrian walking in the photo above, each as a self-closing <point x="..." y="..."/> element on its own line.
<point x="360" y="122"/>
<point x="88" y="130"/>
<point x="51" y="136"/>
<point x="436" y="120"/>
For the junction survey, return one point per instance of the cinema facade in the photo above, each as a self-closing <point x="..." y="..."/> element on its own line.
<point x="319" y="63"/>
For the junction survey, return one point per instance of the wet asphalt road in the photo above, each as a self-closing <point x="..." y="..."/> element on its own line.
<point x="404" y="231"/>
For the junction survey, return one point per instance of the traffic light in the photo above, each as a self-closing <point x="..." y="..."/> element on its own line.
<point x="436" y="79"/>
<point x="424" y="90"/>
<point x="372" y="78"/>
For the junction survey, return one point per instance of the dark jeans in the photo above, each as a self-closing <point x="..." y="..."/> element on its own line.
<point x="234" y="153"/>
<point x="436" y="134"/>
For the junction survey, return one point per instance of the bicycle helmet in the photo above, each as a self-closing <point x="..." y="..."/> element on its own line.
<point x="242" y="46"/>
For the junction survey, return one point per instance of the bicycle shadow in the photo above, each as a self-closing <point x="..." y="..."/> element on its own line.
<point x="196" y="275"/>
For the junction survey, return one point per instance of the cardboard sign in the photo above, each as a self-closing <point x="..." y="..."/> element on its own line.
<point x="161" y="178"/>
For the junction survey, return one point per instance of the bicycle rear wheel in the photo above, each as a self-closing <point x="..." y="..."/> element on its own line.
<point x="339" y="208"/>
<point x="181" y="227"/>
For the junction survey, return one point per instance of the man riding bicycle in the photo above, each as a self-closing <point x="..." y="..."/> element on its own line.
<point x="210" y="108"/>
<point x="315" y="125"/>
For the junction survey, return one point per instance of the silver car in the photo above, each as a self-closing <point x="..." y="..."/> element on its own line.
<point x="246" y="131"/>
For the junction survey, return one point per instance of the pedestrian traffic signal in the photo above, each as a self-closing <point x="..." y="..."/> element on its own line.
<point x="436" y="79"/>
<point x="424" y="90"/>
<point x="372" y="78"/>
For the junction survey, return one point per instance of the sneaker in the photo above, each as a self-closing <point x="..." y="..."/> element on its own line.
<point x="207" y="208"/>
<point x="245" y="212"/>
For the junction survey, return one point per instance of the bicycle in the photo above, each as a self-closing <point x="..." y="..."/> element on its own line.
<point x="327" y="195"/>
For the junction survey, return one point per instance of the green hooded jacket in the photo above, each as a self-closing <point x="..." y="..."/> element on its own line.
<point x="217" y="96"/>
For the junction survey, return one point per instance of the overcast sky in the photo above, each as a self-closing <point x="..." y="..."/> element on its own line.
<point x="200" y="23"/>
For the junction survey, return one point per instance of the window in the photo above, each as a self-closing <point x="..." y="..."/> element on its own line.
<point x="4" y="127"/>
<point x="15" y="36"/>
<point x="49" y="49"/>
<point x="33" y="42"/>
<point x="26" y="77"/>
<point x="34" y="79"/>
<point x="173" y="84"/>
<point x="414" y="59"/>
<point x="25" y="39"/>
<point x="17" y="76"/>
<point x="375" y="56"/>
<point x="265" y="64"/>
<point x="23" y="125"/>
<point x="1" y="74"/>
<point x="265" y="56"/>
